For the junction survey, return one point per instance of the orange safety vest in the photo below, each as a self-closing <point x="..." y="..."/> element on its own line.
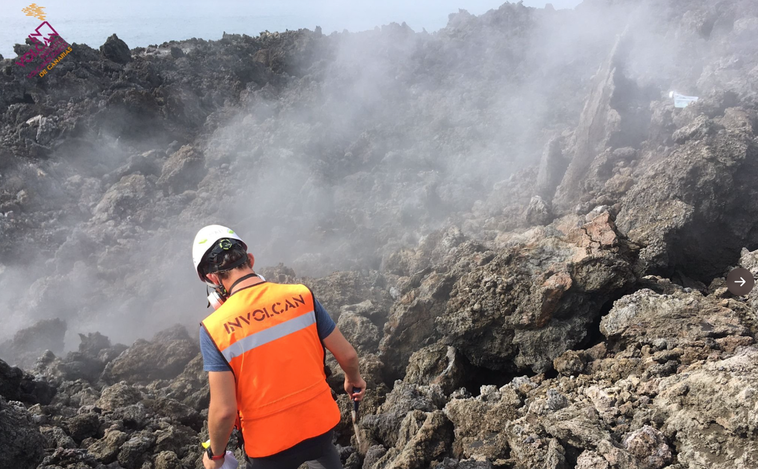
<point x="267" y="333"/>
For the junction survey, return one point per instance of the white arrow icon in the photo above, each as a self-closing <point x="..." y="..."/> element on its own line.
<point x="742" y="283"/>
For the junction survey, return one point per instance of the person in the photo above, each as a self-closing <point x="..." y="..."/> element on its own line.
<point x="263" y="349"/>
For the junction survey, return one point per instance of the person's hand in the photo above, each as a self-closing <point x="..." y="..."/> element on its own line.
<point x="211" y="464"/>
<point x="359" y="383"/>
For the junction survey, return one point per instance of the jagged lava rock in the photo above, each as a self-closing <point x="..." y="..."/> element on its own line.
<point x="714" y="403"/>
<point x="183" y="170"/>
<point x="116" y="50"/>
<point x="164" y="357"/>
<point x="23" y="443"/>
<point x="18" y="385"/>
<point x="29" y="343"/>
<point x="438" y="364"/>
<point x="695" y="208"/>
<point x="679" y="318"/>
<point x="538" y="298"/>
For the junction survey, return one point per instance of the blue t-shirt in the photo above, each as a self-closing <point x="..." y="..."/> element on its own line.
<point x="214" y="361"/>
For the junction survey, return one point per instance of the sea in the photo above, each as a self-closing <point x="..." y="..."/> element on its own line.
<point x="140" y="23"/>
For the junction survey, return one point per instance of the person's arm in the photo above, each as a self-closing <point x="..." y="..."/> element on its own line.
<point x="222" y="412"/>
<point x="223" y="398"/>
<point x="347" y="357"/>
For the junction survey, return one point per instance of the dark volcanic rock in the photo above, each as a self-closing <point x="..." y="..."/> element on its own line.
<point x="83" y="426"/>
<point x="95" y="351"/>
<point x="678" y="318"/>
<point x="167" y="459"/>
<point x="116" y="50"/>
<point x="23" y="443"/>
<point x="106" y="450"/>
<point x="538" y="298"/>
<point x="92" y="343"/>
<point x="359" y="331"/>
<point x="162" y="358"/>
<point x="29" y="343"/>
<point x="118" y="396"/>
<point x="423" y="437"/>
<point x="384" y="426"/>
<point x="135" y="450"/>
<point x="183" y="170"/>
<point x="423" y="297"/>
<point x="69" y="457"/>
<point x="352" y="288"/>
<point x="438" y="364"/>
<point x="693" y="209"/>
<point x="18" y="385"/>
<point x="191" y="386"/>
<point x="123" y="197"/>
<point x="177" y="412"/>
<point x="56" y="438"/>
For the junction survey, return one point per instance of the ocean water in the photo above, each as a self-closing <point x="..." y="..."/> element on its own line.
<point x="141" y="22"/>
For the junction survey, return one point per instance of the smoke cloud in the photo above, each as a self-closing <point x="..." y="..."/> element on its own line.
<point x="360" y="143"/>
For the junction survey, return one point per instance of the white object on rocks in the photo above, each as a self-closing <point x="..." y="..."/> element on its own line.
<point x="230" y="462"/>
<point x="682" y="101"/>
<point x="34" y="119"/>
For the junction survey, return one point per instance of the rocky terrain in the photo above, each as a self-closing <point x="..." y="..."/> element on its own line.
<point x="523" y="237"/>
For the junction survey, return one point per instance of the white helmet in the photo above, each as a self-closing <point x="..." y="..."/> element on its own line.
<point x="206" y="239"/>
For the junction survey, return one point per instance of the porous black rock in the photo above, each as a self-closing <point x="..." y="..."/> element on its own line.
<point x="116" y="50"/>
<point x="23" y="444"/>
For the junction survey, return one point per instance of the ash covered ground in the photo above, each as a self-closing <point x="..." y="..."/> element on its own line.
<point x="523" y="237"/>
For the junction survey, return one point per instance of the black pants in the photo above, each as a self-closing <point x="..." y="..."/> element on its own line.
<point x="318" y="451"/>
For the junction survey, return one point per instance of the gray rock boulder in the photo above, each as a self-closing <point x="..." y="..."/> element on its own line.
<point x="136" y="450"/>
<point x="56" y="437"/>
<point x="164" y="357"/>
<point x="183" y="170"/>
<point x="539" y="297"/>
<point x="538" y="212"/>
<point x="383" y="427"/>
<point x="679" y="318"/>
<point x="711" y="402"/>
<point x="438" y="364"/>
<point x="118" y="395"/>
<point x="359" y="331"/>
<point x="423" y="437"/>
<point x="84" y="425"/>
<point x="68" y="457"/>
<point x="694" y="209"/>
<point x="29" y="343"/>
<point x="352" y="288"/>
<point x="478" y="423"/>
<point x="570" y="363"/>
<point x="411" y="322"/>
<point x="167" y="460"/>
<point x="191" y="386"/>
<point x="23" y="444"/>
<point x="650" y="448"/>
<point x="116" y="50"/>
<point x="124" y="198"/>
<point x="18" y="385"/>
<point x="106" y="449"/>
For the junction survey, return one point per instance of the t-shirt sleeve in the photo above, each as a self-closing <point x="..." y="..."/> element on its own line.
<point x="325" y="323"/>
<point x="212" y="358"/>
